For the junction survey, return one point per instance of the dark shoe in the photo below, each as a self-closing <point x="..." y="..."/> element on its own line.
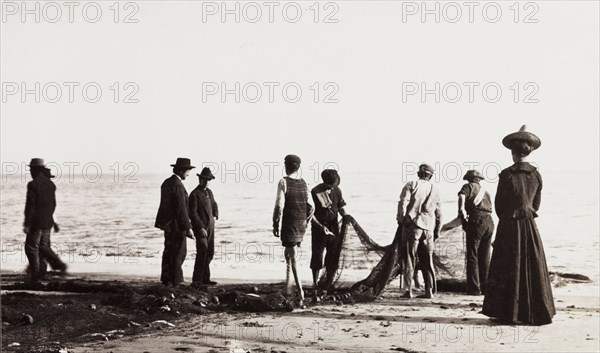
<point x="406" y="295"/>
<point x="34" y="284"/>
<point x="500" y="321"/>
<point x="210" y="283"/>
<point x="63" y="270"/>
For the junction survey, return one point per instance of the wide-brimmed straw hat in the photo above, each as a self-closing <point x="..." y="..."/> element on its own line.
<point x="183" y="163"/>
<point x="522" y="135"/>
<point x="206" y="174"/>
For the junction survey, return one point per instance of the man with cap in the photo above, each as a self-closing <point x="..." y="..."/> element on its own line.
<point x="292" y="211"/>
<point x="203" y="213"/>
<point x="39" y="220"/>
<point x="173" y="218"/>
<point x="419" y="214"/>
<point x="475" y="209"/>
<point x="329" y="204"/>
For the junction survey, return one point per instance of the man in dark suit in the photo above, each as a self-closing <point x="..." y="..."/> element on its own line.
<point x="173" y="219"/>
<point x="203" y="212"/>
<point x="39" y="220"/>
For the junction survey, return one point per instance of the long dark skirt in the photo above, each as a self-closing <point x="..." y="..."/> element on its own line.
<point x="518" y="287"/>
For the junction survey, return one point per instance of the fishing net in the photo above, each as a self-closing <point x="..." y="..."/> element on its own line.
<point x="357" y="253"/>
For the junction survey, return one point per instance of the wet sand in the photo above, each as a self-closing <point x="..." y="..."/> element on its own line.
<point x="102" y="313"/>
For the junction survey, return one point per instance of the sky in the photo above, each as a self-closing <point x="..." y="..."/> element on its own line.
<point x="366" y="66"/>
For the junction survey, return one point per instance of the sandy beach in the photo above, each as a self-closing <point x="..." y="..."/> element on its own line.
<point x="111" y="313"/>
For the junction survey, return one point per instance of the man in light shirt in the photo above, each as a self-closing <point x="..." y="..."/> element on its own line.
<point x="419" y="214"/>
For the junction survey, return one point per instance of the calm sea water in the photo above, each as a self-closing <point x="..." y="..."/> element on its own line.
<point x="114" y="220"/>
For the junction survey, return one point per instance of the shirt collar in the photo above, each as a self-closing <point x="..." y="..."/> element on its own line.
<point x="178" y="177"/>
<point x="522" y="166"/>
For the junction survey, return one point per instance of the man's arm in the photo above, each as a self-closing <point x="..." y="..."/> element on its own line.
<point x="403" y="203"/>
<point x="181" y="208"/>
<point x="215" y="207"/>
<point x="341" y="203"/>
<point x="438" y="220"/>
<point x="30" y="204"/>
<point x="314" y="221"/>
<point x="462" y="200"/>
<point x="197" y="223"/>
<point x="462" y="211"/>
<point x="279" y="205"/>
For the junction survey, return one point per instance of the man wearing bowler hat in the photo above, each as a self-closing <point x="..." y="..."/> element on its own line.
<point x="39" y="220"/>
<point x="419" y="214"/>
<point x="173" y="218"/>
<point x="475" y="209"/>
<point x="203" y="213"/>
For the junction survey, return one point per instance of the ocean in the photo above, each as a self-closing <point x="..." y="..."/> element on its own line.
<point x="108" y="225"/>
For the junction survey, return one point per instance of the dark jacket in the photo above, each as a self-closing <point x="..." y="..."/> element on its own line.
<point x="40" y="203"/>
<point x="519" y="192"/>
<point x="172" y="213"/>
<point x="203" y="208"/>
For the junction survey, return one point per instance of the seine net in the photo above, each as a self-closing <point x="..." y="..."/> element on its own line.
<point x="358" y="255"/>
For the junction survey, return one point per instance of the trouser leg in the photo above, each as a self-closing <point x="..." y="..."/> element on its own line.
<point x="425" y="253"/>
<point x="32" y="250"/>
<point x="485" y="252"/>
<point x="331" y="262"/>
<point x="473" y="240"/>
<point x="210" y="253"/>
<point x="165" y="274"/>
<point x="173" y="256"/>
<point x="180" y="251"/>
<point x="410" y="236"/>
<point x="48" y="255"/>
<point x="200" y="263"/>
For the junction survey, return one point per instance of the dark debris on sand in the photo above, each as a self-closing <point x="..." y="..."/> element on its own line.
<point x="65" y="312"/>
<point x="51" y="316"/>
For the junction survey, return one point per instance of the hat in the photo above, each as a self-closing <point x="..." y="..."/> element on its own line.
<point x="37" y="163"/>
<point x="292" y="159"/>
<point x="206" y="174"/>
<point x="426" y="168"/>
<point x="473" y="174"/>
<point x="329" y="176"/>
<point x="522" y="135"/>
<point x="183" y="163"/>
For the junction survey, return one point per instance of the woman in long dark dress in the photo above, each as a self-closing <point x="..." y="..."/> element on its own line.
<point x="518" y="286"/>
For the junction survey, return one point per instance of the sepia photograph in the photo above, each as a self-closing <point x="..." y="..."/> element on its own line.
<point x="242" y="176"/>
